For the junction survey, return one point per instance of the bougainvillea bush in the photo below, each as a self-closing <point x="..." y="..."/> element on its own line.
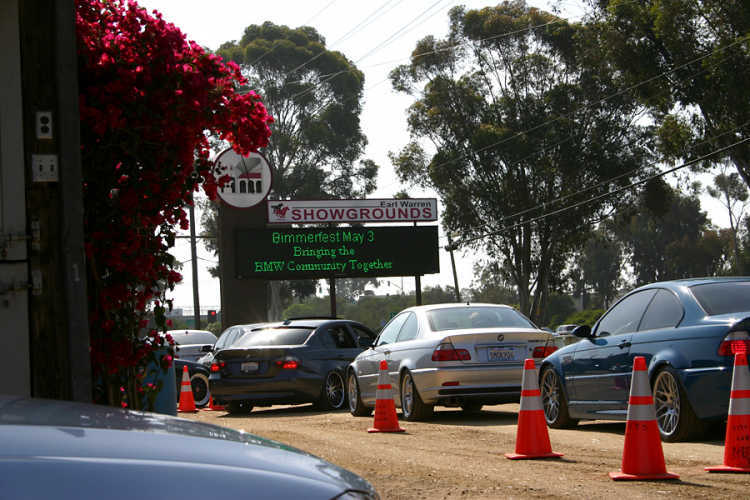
<point x="148" y="100"/>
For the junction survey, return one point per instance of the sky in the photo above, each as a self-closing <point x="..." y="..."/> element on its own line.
<point x="377" y="36"/>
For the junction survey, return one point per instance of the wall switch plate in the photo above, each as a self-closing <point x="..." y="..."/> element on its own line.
<point x="44" y="168"/>
<point x="44" y="124"/>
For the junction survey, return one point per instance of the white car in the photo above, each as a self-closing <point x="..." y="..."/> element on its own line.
<point x="192" y="344"/>
<point x="454" y="355"/>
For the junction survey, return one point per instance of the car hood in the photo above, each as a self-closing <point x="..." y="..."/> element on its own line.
<point x="40" y="436"/>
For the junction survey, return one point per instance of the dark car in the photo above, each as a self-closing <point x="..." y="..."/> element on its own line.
<point x="198" y="380"/>
<point x="297" y="361"/>
<point x="60" y="449"/>
<point x="688" y="331"/>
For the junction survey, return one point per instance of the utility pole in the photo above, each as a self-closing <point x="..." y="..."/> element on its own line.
<point x="450" y="248"/>
<point x="194" y="261"/>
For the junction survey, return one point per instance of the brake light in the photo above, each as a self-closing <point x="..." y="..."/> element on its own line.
<point x="446" y="352"/>
<point x="216" y="367"/>
<point x="288" y="363"/>
<point x="735" y="343"/>
<point x="542" y="352"/>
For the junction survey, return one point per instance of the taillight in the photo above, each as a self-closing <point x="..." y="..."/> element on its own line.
<point x="288" y="363"/>
<point x="542" y="352"/>
<point x="735" y="343"/>
<point x="446" y="352"/>
<point x="217" y="367"/>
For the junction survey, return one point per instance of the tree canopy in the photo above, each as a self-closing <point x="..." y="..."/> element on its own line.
<point x="512" y="113"/>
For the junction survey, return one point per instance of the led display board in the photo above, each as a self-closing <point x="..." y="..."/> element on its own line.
<point x="341" y="252"/>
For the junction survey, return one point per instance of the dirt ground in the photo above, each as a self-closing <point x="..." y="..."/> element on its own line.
<point x="460" y="455"/>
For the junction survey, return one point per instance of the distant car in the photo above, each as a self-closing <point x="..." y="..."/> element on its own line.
<point x="198" y="375"/>
<point x="227" y="339"/>
<point x="293" y="362"/>
<point x="565" y="329"/>
<point x="192" y="344"/>
<point x="688" y="331"/>
<point x="454" y="355"/>
<point x="60" y="449"/>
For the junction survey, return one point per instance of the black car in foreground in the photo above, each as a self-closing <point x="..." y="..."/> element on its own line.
<point x="297" y="361"/>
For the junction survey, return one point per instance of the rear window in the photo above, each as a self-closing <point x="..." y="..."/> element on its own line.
<point x="275" y="336"/>
<point x="723" y="298"/>
<point x="187" y="338"/>
<point x="477" y="317"/>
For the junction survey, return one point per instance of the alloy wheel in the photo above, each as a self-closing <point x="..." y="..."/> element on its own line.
<point x="667" y="402"/>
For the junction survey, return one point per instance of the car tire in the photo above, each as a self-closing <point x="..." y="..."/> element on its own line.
<point x="199" y="385"/>
<point x="238" y="408"/>
<point x="356" y="407"/>
<point x="472" y="407"/>
<point x="553" y="401"/>
<point x="412" y="407"/>
<point x="674" y="414"/>
<point x="333" y="394"/>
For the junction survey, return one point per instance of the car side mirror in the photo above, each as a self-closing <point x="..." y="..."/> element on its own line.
<point x="582" y="332"/>
<point x="207" y="348"/>
<point x="366" y="342"/>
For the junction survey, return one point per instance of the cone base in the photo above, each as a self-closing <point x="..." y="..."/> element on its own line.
<point x="727" y="468"/>
<point x="215" y="408"/>
<point x="621" y="476"/>
<point x="187" y="411"/>
<point x="519" y="456"/>
<point x="394" y="429"/>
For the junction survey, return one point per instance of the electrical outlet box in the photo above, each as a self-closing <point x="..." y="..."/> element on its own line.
<point x="44" y="124"/>
<point x="44" y="168"/>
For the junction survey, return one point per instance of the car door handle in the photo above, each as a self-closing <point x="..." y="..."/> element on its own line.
<point x="387" y="351"/>
<point x="624" y="343"/>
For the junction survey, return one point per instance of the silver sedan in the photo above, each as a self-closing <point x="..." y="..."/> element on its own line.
<point x="453" y="355"/>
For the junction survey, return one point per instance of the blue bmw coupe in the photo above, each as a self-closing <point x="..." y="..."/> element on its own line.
<point x="688" y="331"/>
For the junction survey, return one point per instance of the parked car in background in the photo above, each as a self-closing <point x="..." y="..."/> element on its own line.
<point x="564" y="335"/>
<point x="454" y="355"/>
<point x="688" y="331"/>
<point x="296" y="361"/>
<point x="61" y="449"/>
<point x="192" y="344"/>
<point x="227" y="339"/>
<point x="198" y="376"/>
<point x="565" y="329"/>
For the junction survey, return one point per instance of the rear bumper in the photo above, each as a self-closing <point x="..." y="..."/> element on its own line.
<point x="294" y="390"/>
<point x="478" y="385"/>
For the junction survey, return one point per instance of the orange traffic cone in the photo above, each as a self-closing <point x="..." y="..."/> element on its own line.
<point x="532" y="437"/>
<point x="212" y="407"/>
<point x="643" y="456"/>
<point x="187" y="402"/>
<point x="737" y="441"/>
<point x="386" y="419"/>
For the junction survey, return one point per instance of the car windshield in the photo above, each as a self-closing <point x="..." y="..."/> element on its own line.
<point x="476" y="317"/>
<point x="274" y="336"/>
<point x="195" y="337"/>
<point x="723" y="298"/>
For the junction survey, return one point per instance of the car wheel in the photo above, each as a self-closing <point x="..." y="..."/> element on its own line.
<point x="412" y="406"/>
<point x="356" y="407"/>
<point x="238" y="408"/>
<point x="674" y="413"/>
<point x="199" y="384"/>
<point x="334" y="393"/>
<point x="553" y="401"/>
<point x="472" y="407"/>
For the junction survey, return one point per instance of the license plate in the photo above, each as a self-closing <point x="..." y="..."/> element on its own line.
<point x="249" y="367"/>
<point x="502" y="353"/>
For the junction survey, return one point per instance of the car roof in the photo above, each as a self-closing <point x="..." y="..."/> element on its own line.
<point x="63" y="437"/>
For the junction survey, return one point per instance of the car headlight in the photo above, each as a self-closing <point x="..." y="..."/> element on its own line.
<point x="359" y="495"/>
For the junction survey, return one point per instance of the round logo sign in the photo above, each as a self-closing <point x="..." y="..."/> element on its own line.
<point x="250" y="178"/>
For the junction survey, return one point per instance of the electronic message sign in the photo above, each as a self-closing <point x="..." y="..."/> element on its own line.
<point x="341" y="252"/>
